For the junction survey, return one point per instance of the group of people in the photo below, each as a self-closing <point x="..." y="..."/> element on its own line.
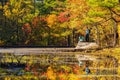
<point x="87" y="33"/>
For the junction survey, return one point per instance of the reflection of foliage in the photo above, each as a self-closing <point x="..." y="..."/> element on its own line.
<point x="36" y="70"/>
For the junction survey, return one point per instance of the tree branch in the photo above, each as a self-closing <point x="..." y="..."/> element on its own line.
<point x="113" y="12"/>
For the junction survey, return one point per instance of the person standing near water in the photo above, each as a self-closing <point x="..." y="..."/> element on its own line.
<point x="87" y="34"/>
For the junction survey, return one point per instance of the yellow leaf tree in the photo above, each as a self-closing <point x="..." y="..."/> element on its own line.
<point x="17" y="12"/>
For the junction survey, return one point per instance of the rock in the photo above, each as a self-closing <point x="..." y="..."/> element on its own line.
<point x="86" y="45"/>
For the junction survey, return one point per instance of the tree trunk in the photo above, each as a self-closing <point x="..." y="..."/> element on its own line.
<point x="98" y="35"/>
<point x="73" y="35"/>
<point x="17" y="32"/>
<point x="115" y="34"/>
<point x="48" y="37"/>
<point x="69" y="41"/>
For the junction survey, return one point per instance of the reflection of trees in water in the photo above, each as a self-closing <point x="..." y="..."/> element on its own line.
<point x="38" y="64"/>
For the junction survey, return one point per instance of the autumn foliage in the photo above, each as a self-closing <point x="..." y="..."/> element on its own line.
<point x="63" y="17"/>
<point x="26" y="28"/>
<point x="60" y="21"/>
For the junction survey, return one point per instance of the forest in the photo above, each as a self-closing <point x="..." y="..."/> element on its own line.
<point x="52" y="29"/>
<point x="58" y="22"/>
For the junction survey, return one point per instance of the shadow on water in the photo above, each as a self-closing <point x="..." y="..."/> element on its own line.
<point x="12" y="65"/>
<point x="7" y="69"/>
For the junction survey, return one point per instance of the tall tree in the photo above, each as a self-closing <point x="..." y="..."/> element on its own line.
<point x="17" y="12"/>
<point x="50" y="9"/>
<point x="71" y="18"/>
<point x="106" y="10"/>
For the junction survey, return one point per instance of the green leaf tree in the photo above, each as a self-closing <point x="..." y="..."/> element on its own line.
<point x="107" y="11"/>
<point x="17" y="12"/>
